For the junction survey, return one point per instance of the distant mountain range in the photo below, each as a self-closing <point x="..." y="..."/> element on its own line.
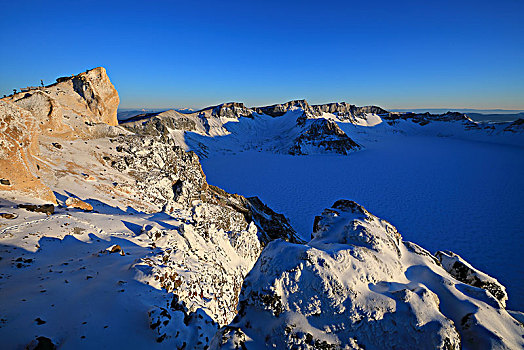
<point x="478" y="115"/>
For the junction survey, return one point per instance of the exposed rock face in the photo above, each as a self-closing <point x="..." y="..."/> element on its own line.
<point x="159" y="124"/>
<point x="346" y="111"/>
<point x="323" y="135"/>
<point x="96" y="91"/>
<point x="280" y="109"/>
<point x="516" y="127"/>
<point x="18" y="144"/>
<point x="426" y="118"/>
<point x="357" y="285"/>
<point x="70" y="108"/>
<point x="464" y="272"/>
<point x="231" y="110"/>
<point x="170" y="178"/>
<point x="272" y="225"/>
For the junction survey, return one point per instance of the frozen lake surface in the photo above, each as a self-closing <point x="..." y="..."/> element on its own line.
<point x="441" y="193"/>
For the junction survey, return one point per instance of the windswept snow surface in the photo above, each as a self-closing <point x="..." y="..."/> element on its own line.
<point x="443" y="193"/>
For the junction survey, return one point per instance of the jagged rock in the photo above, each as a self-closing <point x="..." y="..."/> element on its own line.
<point x="160" y="124"/>
<point x="278" y="110"/>
<point x="170" y="179"/>
<point x="323" y="135"/>
<point x="203" y="266"/>
<point x="346" y="111"/>
<point x="464" y="272"/>
<point x="272" y="225"/>
<point x="180" y="328"/>
<point x="73" y="202"/>
<point x="70" y="106"/>
<point x="231" y="110"/>
<point x="357" y="285"/>
<point x="230" y="338"/>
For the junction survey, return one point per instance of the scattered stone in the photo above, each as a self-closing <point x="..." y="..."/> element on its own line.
<point x="73" y="202"/>
<point x="5" y="182"/>
<point x="78" y="230"/>
<point x="57" y="145"/>
<point x="89" y="177"/>
<point x="39" y="321"/>
<point x="115" y="248"/>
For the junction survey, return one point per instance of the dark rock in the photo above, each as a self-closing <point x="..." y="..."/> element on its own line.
<point x="5" y="182"/>
<point x="325" y="135"/>
<point x="278" y="110"/>
<point x="8" y="215"/>
<point x="44" y="208"/>
<point x="460" y="269"/>
<point x="41" y="343"/>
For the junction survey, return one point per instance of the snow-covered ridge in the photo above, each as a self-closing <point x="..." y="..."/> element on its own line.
<point x="357" y="285"/>
<point x="298" y="128"/>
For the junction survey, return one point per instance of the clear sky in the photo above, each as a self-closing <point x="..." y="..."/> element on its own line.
<point x="396" y="54"/>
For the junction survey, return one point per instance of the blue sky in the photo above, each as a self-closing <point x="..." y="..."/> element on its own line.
<point x="396" y="54"/>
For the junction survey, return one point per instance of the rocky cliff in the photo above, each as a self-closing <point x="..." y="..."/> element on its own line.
<point x="80" y="106"/>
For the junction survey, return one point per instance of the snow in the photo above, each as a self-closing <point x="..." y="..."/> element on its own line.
<point x="443" y="193"/>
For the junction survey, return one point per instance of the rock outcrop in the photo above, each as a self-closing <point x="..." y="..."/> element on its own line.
<point x="322" y="136"/>
<point x="84" y="105"/>
<point x="516" y="127"/>
<point x="169" y="179"/>
<point x="346" y="111"/>
<point x="19" y="168"/>
<point x="459" y="268"/>
<point x="278" y="110"/>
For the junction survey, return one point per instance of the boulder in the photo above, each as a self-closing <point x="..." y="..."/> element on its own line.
<point x="73" y="202"/>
